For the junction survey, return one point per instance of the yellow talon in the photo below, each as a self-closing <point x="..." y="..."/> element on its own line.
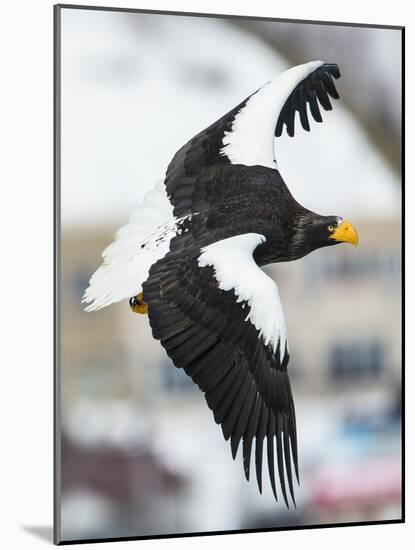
<point x="137" y="304"/>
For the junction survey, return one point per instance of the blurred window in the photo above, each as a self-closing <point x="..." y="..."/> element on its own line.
<point x="380" y="264"/>
<point x="356" y="360"/>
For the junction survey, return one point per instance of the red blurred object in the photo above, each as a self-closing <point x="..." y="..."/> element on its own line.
<point x="362" y="484"/>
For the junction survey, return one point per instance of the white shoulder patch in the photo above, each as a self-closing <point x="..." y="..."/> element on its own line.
<point x="251" y="140"/>
<point x="236" y="269"/>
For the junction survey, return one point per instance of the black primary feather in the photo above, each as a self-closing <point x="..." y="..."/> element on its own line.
<point x="313" y="90"/>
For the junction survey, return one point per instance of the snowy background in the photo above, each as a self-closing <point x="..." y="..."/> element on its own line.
<point x="140" y="452"/>
<point x="137" y="87"/>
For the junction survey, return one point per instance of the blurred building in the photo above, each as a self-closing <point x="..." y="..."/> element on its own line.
<point x="121" y="393"/>
<point x="343" y="309"/>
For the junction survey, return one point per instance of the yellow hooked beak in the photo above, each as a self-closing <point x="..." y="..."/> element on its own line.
<point x="345" y="233"/>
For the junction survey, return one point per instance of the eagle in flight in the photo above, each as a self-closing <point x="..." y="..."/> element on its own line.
<point x="191" y="257"/>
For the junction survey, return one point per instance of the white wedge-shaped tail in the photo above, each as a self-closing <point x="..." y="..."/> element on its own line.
<point x="137" y="246"/>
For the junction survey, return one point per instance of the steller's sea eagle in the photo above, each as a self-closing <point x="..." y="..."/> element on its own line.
<point x="191" y="258"/>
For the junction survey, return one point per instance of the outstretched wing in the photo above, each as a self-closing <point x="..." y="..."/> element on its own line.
<point x="245" y="135"/>
<point x="219" y="317"/>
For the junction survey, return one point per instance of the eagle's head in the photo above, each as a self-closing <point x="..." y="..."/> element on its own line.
<point x="313" y="231"/>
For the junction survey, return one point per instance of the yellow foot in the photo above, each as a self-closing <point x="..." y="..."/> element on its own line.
<point x="137" y="304"/>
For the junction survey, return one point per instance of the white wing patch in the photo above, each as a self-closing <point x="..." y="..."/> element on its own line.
<point x="137" y="246"/>
<point x="251" y="140"/>
<point x="235" y="269"/>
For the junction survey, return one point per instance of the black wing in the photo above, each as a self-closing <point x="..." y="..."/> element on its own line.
<point x="204" y="153"/>
<point x="204" y="331"/>
<point x="201" y="153"/>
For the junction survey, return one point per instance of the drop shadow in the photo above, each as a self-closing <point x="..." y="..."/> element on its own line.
<point x="43" y="532"/>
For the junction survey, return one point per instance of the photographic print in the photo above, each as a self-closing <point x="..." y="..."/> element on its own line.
<point x="228" y="198"/>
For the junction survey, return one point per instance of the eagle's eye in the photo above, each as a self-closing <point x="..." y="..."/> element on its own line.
<point x="330" y="228"/>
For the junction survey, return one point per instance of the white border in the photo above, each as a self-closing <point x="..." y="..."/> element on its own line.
<point x="26" y="274"/>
